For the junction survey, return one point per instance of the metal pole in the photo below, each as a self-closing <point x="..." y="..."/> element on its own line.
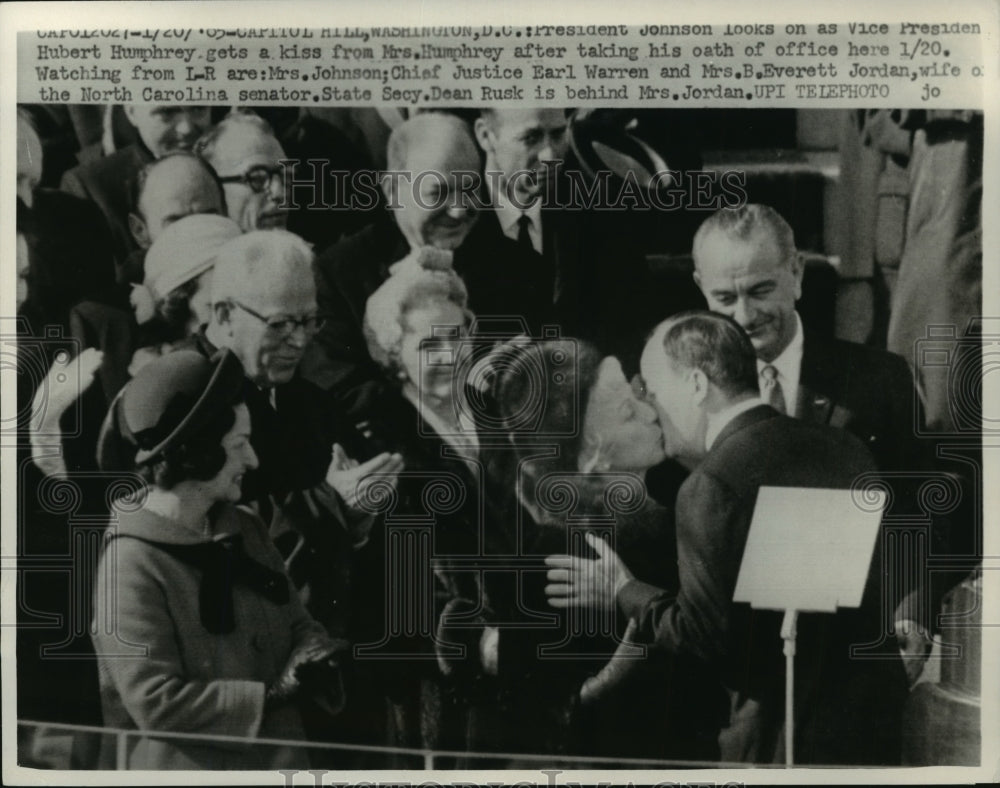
<point x="428" y="761"/>
<point x="121" y="751"/>
<point x="788" y="626"/>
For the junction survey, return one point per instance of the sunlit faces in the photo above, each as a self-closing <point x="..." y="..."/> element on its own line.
<point x="748" y="280"/>
<point x="431" y="350"/>
<point x="177" y="187"/>
<point x="164" y="128"/>
<point x="240" y="458"/>
<point x="431" y="204"/>
<point x="522" y="144"/>
<point x="29" y="162"/>
<point x="620" y="432"/>
<point x="242" y="148"/>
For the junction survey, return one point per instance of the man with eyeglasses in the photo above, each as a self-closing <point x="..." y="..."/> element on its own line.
<point x="307" y="488"/>
<point x="264" y="310"/>
<point x="246" y="155"/>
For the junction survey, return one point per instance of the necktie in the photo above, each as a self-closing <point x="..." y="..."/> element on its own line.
<point x="770" y="389"/>
<point x="524" y="233"/>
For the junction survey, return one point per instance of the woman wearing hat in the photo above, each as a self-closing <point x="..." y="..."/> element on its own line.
<point x="197" y="626"/>
<point x="173" y="301"/>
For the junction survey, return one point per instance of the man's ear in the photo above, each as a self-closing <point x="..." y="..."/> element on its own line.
<point x="388" y="189"/>
<point x="697" y="278"/>
<point x="483" y="134"/>
<point x="798" y="270"/>
<point x="137" y="226"/>
<point x="129" y="111"/>
<point x="700" y="384"/>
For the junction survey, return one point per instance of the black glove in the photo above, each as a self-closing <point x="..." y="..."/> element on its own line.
<point x="288" y="682"/>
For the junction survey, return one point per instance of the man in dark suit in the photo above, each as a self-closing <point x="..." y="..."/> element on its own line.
<point x="264" y="310"/>
<point x="747" y="268"/>
<point x="571" y="224"/>
<point x="432" y="196"/>
<point x="110" y="181"/>
<point x="306" y="487"/>
<point x="700" y="372"/>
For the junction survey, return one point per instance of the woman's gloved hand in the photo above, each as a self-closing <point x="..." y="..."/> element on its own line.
<point x="302" y="664"/>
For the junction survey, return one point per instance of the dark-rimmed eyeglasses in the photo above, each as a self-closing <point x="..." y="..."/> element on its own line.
<point x="257" y="178"/>
<point x="284" y="325"/>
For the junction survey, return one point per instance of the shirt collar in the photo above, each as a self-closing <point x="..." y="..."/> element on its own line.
<point x="717" y="422"/>
<point x="508" y="214"/>
<point x="790" y="360"/>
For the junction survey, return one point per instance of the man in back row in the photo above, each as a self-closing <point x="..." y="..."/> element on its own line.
<point x="431" y="214"/>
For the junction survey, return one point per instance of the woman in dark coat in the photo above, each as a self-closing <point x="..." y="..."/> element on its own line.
<point x="197" y="625"/>
<point x="415" y="325"/>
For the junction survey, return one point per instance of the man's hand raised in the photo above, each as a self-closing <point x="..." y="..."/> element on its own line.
<point x="585" y="582"/>
<point x="347" y="476"/>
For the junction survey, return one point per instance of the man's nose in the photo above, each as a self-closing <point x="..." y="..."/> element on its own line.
<point x="299" y="337"/>
<point x="553" y="149"/>
<point x="744" y="312"/>
<point x="459" y="209"/>
<point x="547" y="152"/>
<point x="185" y="124"/>
<point x="276" y="186"/>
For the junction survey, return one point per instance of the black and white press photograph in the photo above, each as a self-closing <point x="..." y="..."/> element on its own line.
<point x="524" y="435"/>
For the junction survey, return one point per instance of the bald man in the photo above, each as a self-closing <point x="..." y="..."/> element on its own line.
<point x="179" y="184"/>
<point x="433" y="193"/>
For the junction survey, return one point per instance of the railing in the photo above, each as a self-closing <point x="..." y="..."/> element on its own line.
<point x="427" y="759"/>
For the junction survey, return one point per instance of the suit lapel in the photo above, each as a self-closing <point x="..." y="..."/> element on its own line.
<point x="817" y="384"/>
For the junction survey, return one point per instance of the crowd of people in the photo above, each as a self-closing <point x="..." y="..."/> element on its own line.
<point x="450" y="473"/>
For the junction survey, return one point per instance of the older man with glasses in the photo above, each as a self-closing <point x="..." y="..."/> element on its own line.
<point x="307" y="485"/>
<point x="245" y="153"/>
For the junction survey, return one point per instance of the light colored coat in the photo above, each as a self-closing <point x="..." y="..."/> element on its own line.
<point x="160" y="669"/>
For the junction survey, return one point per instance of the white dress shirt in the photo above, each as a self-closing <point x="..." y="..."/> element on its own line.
<point x="509" y="214"/>
<point x="789" y="365"/>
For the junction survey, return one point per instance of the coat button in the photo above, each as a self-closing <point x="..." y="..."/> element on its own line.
<point x="257" y="642"/>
